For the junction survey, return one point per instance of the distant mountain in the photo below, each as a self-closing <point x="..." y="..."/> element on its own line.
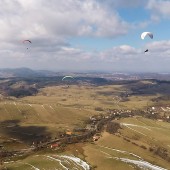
<point x="24" y="72"/>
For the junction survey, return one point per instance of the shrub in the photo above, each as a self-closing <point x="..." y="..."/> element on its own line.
<point x="143" y="147"/>
<point x="98" y="109"/>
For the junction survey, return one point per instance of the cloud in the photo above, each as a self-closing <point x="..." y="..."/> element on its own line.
<point x="128" y="58"/>
<point x="118" y="58"/>
<point x="122" y="52"/>
<point x="31" y="19"/>
<point x="50" y="24"/>
<point x="160" y="48"/>
<point x="159" y="9"/>
<point x="123" y="3"/>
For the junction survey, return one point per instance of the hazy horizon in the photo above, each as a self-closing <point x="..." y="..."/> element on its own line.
<point x="87" y="71"/>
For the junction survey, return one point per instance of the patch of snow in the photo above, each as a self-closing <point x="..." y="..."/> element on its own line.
<point x="78" y="161"/>
<point x="122" y="151"/>
<point x="60" y="162"/>
<point x="127" y="124"/>
<point x="43" y="106"/>
<point x="142" y="164"/>
<point x="136" y="131"/>
<point x="32" y="166"/>
<point x="52" y="108"/>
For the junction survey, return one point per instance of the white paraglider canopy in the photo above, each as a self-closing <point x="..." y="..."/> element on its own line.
<point x="144" y="34"/>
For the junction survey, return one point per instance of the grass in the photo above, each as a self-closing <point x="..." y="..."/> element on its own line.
<point x="57" y="108"/>
<point x="99" y="159"/>
<point x="157" y="133"/>
<point x="88" y="97"/>
<point x="44" y="161"/>
<point x="158" y="136"/>
<point x="99" y="156"/>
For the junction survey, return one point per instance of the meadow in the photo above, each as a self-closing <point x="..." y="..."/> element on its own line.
<point x="57" y="108"/>
<point x="132" y="144"/>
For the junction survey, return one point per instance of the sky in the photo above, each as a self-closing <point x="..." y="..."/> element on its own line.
<point x="85" y="35"/>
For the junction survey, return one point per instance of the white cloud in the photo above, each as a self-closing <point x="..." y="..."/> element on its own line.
<point x="123" y="57"/>
<point x="159" y="9"/>
<point x="123" y="3"/>
<point x="23" y="19"/>
<point x="119" y="53"/>
<point x="50" y="23"/>
<point x="160" y="48"/>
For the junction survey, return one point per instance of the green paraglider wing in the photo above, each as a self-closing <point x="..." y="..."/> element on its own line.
<point x="67" y="77"/>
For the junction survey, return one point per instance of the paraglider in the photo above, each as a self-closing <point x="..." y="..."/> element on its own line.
<point x="67" y="77"/>
<point x="146" y="50"/>
<point x="26" y="41"/>
<point x="144" y="35"/>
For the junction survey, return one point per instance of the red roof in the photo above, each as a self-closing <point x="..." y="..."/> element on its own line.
<point x="55" y="145"/>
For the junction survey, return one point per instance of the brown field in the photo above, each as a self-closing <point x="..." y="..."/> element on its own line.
<point x="98" y="155"/>
<point x="57" y="108"/>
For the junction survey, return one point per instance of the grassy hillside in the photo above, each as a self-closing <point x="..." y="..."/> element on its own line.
<point x="131" y="144"/>
<point x="110" y="150"/>
<point x="56" y="108"/>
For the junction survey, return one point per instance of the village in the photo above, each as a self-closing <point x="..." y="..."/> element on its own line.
<point x="90" y="133"/>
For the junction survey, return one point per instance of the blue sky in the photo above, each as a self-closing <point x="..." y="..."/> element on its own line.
<point x="85" y="35"/>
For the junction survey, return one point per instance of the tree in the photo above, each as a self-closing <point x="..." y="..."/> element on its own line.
<point x="112" y="127"/>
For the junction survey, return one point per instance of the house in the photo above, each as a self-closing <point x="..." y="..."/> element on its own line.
<point x="96" y="138"/>
<point x="68" y="132"/>
<point x="55" y="145"/>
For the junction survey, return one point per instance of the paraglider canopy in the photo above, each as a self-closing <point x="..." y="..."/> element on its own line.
<point x="26" y="41"/>
<point x="67" y="77"/>
<point x="144" y="34"/>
